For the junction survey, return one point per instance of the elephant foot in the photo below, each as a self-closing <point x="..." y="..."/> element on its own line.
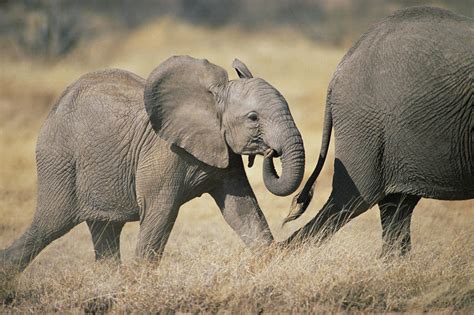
<point x="8" y="270"/>
<point x="393" y="251"/>
<point x="7" y="283"/>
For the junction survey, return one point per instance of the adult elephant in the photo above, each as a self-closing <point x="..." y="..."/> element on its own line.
<point x="401" y="105"/>
<point x="117" y="148"/>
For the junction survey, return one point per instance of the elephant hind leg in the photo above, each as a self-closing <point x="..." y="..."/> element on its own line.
<point x="56" y="214"/>
<point x="106" y="239"/>
<point x="48" y="225"/>
<point x="395" y="215"/>
<point x="344" y="204"/>
<point x="333" y="216"/>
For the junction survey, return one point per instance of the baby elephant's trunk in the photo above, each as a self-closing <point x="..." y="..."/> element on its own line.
<point x="292" y="160"/>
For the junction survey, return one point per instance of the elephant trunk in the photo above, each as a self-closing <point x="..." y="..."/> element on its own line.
<point x="292" y="161"/>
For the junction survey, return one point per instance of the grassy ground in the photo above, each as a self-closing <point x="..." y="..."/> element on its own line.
<point x="205" y="266"/>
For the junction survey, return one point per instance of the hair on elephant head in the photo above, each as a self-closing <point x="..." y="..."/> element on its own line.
<point x="192" y="104"/>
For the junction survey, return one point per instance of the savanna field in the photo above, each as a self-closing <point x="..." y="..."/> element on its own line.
<point x="205" y="267"/>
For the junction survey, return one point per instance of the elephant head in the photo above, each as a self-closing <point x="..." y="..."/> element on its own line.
<point x="192" y="104"/>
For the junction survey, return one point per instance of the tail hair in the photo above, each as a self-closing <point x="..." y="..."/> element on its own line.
<point x="299" y="204"/>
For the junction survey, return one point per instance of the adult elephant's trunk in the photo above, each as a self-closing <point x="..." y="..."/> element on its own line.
<point x="292" y="161"/>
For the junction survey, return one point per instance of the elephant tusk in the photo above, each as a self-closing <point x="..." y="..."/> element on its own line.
<point x="251" y="160"/>
<point x="269" y="153"/>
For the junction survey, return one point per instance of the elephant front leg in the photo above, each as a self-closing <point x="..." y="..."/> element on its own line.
<point x="156" y="222"/>
<point x="240" y="209"/>
<point x="395" y="215"/>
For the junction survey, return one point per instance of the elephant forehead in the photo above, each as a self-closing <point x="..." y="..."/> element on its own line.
<point x="255" y="93"/>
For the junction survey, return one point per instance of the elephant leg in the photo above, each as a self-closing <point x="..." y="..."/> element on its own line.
<point x="395" y="215"/>
<point x="333" y="216"/>
<point x="236" y="200"/>
<point x="344" y="204"/>
<point x="106" y="239"/>
<point x="155" y="228"/>
<point x="55" y="215"/>
<point x="39" y="235"/>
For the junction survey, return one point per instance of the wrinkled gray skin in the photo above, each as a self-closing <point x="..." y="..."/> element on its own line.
<point x="401" y="105"/>
<point x="117" y="148"/>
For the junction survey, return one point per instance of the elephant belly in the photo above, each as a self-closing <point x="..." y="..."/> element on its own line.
<point x="106" y="193"/>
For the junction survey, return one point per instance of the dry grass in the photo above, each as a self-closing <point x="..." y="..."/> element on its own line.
<point x="205" y="267"/>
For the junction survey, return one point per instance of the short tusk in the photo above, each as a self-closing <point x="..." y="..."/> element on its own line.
<point x="269" y="153"/>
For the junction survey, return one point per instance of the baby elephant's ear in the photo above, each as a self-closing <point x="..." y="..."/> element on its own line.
<point x="182" y="109"/>
<point x="241" y="69"/>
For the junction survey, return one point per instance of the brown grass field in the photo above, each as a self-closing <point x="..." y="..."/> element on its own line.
<point x="205" y="267"/>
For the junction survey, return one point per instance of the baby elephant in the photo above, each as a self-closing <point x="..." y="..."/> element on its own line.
<point x="402" y="106"/>
<point x="117" y="148"/>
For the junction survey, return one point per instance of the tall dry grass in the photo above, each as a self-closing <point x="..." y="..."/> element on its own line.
<point x="205" y="266"/>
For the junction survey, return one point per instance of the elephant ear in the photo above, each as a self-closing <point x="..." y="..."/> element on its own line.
<point x="241" y="69"/>
<point x="182" y="109"/>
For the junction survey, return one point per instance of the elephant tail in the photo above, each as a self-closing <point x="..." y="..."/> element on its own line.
<point x="303" y="198"/>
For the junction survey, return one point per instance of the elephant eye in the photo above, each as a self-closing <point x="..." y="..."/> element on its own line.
<point x="252" y="116"/>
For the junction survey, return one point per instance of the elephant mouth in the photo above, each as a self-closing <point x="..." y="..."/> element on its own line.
<point x="269" y="153"/>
